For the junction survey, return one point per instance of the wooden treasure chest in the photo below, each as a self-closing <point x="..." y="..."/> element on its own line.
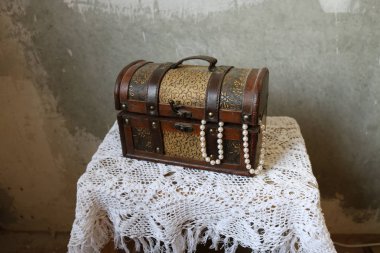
<point x="205" y="117"/>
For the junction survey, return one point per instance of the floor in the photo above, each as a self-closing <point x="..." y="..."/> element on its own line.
<point x="24" y="242"/>
<point x="36" y="242"/>
<point x="346" y="239"/>
<point x="357" y="239"/>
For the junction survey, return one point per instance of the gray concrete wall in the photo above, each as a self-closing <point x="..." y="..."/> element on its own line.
<point x="59" y="59"/>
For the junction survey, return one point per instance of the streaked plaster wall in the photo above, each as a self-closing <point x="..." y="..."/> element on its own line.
<point x="59" y="59"/>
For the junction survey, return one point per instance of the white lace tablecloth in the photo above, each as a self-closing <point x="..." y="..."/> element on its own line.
<point x="276" y="211"/>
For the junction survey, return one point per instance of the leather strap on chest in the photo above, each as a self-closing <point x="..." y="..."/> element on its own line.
<point x="152" y="104"/>
<point x="249" y="98"/>
<point x="212" y="108"/>
<point x="213" y="93"/>
<point x="122" y="83"/>
<point x="154" y="87"/>
<point x="124" y="86"/>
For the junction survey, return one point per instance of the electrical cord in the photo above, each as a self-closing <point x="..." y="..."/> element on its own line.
<point x="375" y="244"/>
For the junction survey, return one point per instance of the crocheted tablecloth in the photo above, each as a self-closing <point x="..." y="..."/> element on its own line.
<point x="171" y="209"/>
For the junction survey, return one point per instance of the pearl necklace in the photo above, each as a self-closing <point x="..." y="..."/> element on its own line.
<point x="219" y="140"/>
<point x="245" y="138"/>
<point x="246" y="149"/>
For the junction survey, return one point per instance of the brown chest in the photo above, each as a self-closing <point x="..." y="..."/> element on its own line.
<point x="205" y="117"/>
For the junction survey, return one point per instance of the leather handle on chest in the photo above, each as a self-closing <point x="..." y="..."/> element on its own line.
<point x="211" y="60"/>
<point x="153" y="88"/>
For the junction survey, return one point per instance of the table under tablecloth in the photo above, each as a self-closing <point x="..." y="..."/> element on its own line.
<point x="166" y="208"/>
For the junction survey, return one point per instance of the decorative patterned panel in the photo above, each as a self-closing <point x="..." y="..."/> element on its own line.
<point x="142" y="139"/>
<point x="186" y="84"/>
<point x="233" y="89"/>
<point x="231" y="151"/>
<point x="181" y="144"/>
<point x="138" y="84"/>
<point x="187" y="145"/>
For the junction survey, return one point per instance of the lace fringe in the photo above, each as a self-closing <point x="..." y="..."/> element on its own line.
<point x="186" y="242"/>
<point x="99" y="234"/>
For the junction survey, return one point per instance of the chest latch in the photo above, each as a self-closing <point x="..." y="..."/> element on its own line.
<point x="178" y="110"/>
<point x="183" y="127"/>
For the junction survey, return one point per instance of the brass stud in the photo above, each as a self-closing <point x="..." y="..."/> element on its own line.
<point x="154" y="124"/>
<point x="211" y="130"/>
<point x="151" y="107"/>
<point x="123" y="106"/>
<point x="246" y="117"/>
<point x="126" y="120"/>
<point x="210" y="114"/>
<point x="158" y="149"/>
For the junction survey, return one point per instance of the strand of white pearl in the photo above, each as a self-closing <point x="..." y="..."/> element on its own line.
<point x="202" y="128"/>
<point x="246" y="149"/>
<point x="245" y="146"/>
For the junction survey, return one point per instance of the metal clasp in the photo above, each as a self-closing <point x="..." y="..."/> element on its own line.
<point x="184" y="127"/>
<point x="177" y="109"/>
